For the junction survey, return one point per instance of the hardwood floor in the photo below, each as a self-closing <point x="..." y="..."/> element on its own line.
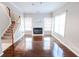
<point x="38" y="47"/>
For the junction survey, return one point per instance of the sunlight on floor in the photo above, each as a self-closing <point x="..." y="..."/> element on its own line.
<point x="46" y="44"/>
<point x="28" y="43"/>
<point x="57" y="51"/>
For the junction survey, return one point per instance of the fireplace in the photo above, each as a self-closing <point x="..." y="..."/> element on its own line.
<point x="37" y="30"/>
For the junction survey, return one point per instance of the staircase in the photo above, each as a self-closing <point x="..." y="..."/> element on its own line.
<point x="7" y="38"/>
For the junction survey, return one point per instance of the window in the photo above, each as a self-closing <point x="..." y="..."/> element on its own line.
<point x="28" y="24"/>
<point x="47" y="24"/>
<point x="59" y="25"/>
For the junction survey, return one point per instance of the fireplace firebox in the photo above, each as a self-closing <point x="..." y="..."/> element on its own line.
<point x="37" y="30"/>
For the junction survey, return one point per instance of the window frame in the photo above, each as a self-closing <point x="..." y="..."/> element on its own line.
<point x="26" y="23"/>
<point x="47" y="24"/>
<point x="58" y="34"/>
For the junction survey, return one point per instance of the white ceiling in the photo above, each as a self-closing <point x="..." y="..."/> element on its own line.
<point x="38" y="7"/>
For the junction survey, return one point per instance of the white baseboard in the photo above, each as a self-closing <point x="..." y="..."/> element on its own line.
<point x="72" y="49"/>
<point x="1" y="54"/>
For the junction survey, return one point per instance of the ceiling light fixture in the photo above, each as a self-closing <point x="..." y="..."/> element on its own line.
<point x="40" y="2"/>
<point x="32" y="3"/>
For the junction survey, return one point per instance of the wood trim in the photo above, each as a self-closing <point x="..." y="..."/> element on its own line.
<point x="9" y="11"/>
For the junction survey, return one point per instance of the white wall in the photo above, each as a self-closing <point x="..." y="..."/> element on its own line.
<point x="4" y="23"/>
<point x="71" y="39"/>
<point x="37" y="19"/>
